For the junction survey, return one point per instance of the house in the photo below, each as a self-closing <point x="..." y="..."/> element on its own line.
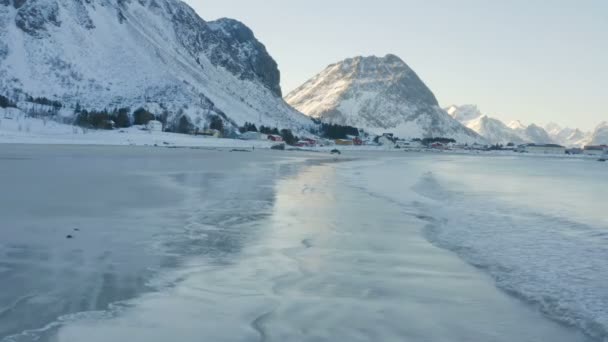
<point x="309" y="141"/>
<point x="596" y="150"/>
<point x="386" y="140"/>
<point x="344" y="142"/>
<point x="541" y="149"/>
<point x="211" y="133"/>
<point x="253" y="136"/>
<point x="438" y="146"/>
<point x="154" y="126"/>
<point x="326" y="142"/>
<point x="275" y="138"/>
<point x="303" y="143"/>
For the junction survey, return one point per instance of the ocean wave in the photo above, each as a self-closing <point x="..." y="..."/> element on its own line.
<point x="556" y="264"/>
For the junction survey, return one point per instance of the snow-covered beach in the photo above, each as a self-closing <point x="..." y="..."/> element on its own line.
<point x="193" y="245"/>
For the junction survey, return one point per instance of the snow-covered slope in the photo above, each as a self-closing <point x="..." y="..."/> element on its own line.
<point x="129" y="53"/>
<point x="600" y="135"/>
<point x="380" y="94"/>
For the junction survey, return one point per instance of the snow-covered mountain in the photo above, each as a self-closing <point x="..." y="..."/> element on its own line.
<point x="497" y="132"/>
<point x="131" y="53"/>
<point x="465" y="113"/>
<point x="517" y="125"/>
<point x="600" y="135"/>
<point x="567" y="136"/>
<point x="494" y="130"/>
<point x="537" y="135"/>
<point x="379" y="94"/>
<point x="553" y="129"/>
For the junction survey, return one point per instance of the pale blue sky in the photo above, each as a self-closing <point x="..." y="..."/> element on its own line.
<point x="533" y="60"/>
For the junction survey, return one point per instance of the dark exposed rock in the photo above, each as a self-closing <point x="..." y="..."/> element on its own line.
<point x="18" y="3"/>
<point x="255" y="61"/>
<point x="3" y="50"/>
<point x="227" y="43"/>
<point x="34" y="16"/>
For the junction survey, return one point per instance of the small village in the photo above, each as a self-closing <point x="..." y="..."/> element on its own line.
<point x="389" y="141"/>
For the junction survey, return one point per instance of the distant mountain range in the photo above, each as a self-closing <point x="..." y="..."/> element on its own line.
<point x="378" y="94"/>
<point x="145" y="53"/>
<point x="497" y="132"/>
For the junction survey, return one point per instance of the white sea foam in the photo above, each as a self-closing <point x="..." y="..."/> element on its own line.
<point x="522" y="221"/>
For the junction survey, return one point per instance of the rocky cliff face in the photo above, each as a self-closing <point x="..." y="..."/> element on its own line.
<point x="379" y="94"/>
<point x="108" y="53"/>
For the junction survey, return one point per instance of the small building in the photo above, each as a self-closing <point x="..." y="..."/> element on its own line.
<point x="541" y="149"/>
<point x="326" y="142"/>
<point x="596" y="150"/>
<point x="154" y="126"/>
<point x="309" y="141"/>
<point x="438" y="146"/>
<point x="253" y="136"/>
<point x="344" y="142"/>
<point x="275" y="138"/>
<point x="210" y="133"/>
<point x="303" y="143"/>
<point x="386" y="140"/>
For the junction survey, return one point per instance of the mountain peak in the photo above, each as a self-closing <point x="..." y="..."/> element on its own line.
<point x="464" y="113"/>
<point x="378" y="94"/>
<point x="517" y="125"/>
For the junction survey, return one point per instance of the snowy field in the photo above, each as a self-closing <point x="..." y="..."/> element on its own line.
<point x="212" y="245"/>
<point x="15" y="128"/>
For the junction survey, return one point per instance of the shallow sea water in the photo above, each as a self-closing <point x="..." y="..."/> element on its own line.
<point x="194" y="245"/>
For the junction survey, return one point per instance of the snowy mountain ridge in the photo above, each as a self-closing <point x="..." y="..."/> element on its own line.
<point x="131" y="53"/>
<point x="378" y="94"/>
<point x="516" y="132"/>
<point x="568" y="136"/>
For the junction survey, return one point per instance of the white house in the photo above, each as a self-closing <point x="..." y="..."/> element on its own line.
<point x="542" y="148"/>
<point x="154" y="126"/>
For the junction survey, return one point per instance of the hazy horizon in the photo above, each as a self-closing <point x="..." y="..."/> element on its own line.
<point x="521" y="60"/>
